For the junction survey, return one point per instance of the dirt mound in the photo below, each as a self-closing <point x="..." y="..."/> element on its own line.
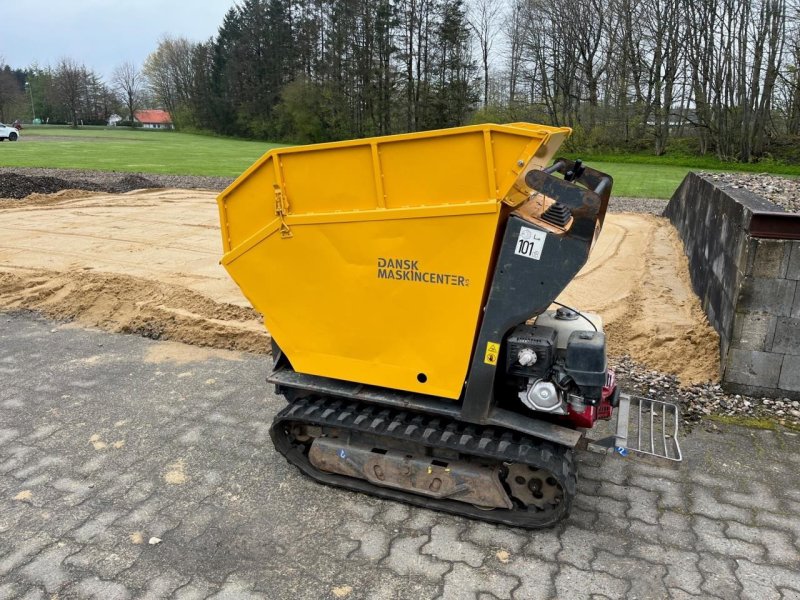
<point x="17" y="186"/>
<point x="106" y="179"/>
<point x="133" y="182"/>
<point x="14" y="185"/>
<point x="37" y="199"/>
<point x="169" y="236"/>
<point x="145" y="263"/>
<point x="125" y="304"/>
<point x="637" y="278"/>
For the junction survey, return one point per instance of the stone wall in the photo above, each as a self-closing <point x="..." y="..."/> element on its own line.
<point x="748" y="286"/>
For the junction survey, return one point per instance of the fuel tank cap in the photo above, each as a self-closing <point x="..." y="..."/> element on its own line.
<point x="566" y="314"/>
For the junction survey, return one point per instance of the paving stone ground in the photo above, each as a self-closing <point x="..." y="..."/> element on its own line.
<point x="106" y="443"/>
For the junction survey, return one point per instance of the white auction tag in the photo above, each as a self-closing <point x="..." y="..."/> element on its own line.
<point x="530" y="243"/>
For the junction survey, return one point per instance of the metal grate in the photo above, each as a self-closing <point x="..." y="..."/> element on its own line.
<point x="648" y="427"/>
<point x="644" y="426"/>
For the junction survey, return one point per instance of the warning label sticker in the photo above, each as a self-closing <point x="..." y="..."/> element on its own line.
<point x="530" y="243"/>
<point x="492" y="351"/>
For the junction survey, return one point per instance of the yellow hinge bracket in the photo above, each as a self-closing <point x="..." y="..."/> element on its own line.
<point x="519" y="191"/>
<point x="281" y="208"/>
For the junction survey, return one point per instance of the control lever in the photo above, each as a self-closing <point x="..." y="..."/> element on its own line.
<point x="576" y="172"/>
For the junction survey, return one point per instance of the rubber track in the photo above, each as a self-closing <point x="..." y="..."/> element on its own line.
<point x="433" y="432"/>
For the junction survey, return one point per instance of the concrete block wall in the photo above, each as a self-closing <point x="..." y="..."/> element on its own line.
<point x="748" y="286"/>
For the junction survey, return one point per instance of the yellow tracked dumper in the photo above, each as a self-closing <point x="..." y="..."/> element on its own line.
<point x="407" y="282"/>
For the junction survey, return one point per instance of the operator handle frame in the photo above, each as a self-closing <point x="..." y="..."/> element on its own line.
<point x="584" y="190"/>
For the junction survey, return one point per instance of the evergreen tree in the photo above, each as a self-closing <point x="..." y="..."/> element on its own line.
<point x="316" y="70"/>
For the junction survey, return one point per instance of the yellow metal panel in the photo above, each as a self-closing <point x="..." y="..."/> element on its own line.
<point x="434" y="170"/>
<point x="251" y="207"/>
<point x="316" y="263"/>
<point x="334" y="314"/>
<point x="323" y="181"/>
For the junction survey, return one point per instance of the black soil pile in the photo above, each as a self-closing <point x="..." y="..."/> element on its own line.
<point x="17" y="186"/>
<point x="133" y="182"/>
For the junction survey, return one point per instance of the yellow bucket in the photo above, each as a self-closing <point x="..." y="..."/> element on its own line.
<point x="370" y="258"/>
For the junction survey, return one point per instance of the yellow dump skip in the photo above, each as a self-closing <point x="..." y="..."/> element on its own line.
<point x="369" y="258"/>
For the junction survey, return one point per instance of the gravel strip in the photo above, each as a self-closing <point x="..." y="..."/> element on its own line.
<point x="701" y="400"/>
<point x="781" y="191"/>
<point x="653" y="206"/>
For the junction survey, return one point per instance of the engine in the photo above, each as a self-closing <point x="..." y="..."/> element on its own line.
<point x="561" y="367"/>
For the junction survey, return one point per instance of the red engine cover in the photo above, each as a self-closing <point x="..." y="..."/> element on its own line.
<point x="603" y="410"/>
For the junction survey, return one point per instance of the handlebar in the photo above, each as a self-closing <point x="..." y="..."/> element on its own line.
<point x="585" y="191"/>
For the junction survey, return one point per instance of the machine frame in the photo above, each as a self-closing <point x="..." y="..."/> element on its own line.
<point x="520" y="289"/>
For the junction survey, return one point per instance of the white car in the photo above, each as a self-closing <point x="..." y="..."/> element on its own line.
<point x="7" y="132"/>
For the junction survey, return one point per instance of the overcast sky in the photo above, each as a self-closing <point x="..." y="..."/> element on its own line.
<point x="100" y="33"/>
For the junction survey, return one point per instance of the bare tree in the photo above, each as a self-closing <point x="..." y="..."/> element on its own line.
<point x="791" y="80"/>
<point x="551" y="48"/>
<point x="770" y="28"/>
<point x="129" y="84"/>
<point x="513" y="33"/>
<point x="485" y="20"/>
<point x="735" y="54"/>
<point x="662" y="42"/>
<point x="169" y="75"/>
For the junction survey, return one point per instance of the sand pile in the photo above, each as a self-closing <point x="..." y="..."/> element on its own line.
<point x="637" y="278"/>
<point x="37" y="199"/>
<point x="125" y="304"/>
<point x="141" y="262"/>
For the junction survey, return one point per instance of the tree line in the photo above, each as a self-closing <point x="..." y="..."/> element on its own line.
<point x="643" y="71"/>
<point x="316" y="70"/>
<point x="69" y="92"/>
<point x="710" y="76"/>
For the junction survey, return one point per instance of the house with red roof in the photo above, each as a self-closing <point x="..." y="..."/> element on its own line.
<point x="154" y="119"/>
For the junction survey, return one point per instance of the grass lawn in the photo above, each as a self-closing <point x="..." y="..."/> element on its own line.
<point x="170" y="152"/>
<point x="131" y="151"/>
<point x="642" y="181"/>
<point x="647" y="176"/>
